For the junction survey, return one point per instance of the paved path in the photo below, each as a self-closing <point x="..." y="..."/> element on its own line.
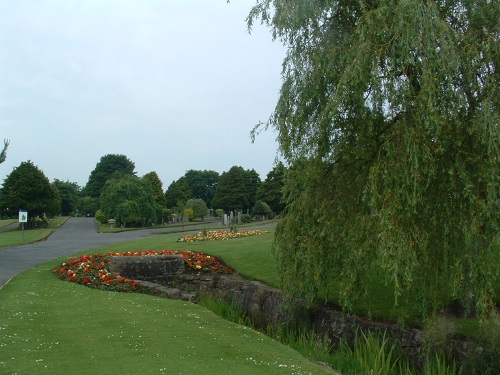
<point x="75" y="235"/>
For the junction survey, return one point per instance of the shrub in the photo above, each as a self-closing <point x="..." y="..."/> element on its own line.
<point x="262" y="208"/>
<point x="100" y="217"/>
<point x="245" y="218"/>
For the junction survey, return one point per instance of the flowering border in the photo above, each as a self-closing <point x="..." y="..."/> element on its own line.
<point x="92" y="270"/>
<point x="220" y="235"/>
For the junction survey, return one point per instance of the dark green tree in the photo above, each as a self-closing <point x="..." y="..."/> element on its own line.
<point x="87" y="206"/>
<point x="157" y="186"/>
<point x="262" y="209"/>
<point x="130" y="201"/>
<point x="202" y="184"/>
<point x="388" y="114"/>
<point x="177" y="193"/>
<point x="231" y="193"/>
<point x="199" y="208"/>
<point x="69" y="193"/>
<point x="252" y="183"/>
<point x="271" y="189"/>
<point x="27" y="188"/>
<point x="108" y="167"/>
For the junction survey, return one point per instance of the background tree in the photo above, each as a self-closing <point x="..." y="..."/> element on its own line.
<point x="27" y="188"/>
<point x="157" y="186"/>
<point x="109" y="166"/>
<point x="3" y="154"/>
<point x="262" y="209"/>
<point x="130" y="201"/>
<point x="177" y="193"/>
<point x="199" y="208"/>
<point x="231" y="193"/>
<point x="271" y="189"/>
<point x="252" y="183"/>
<point x="69" y="193"/>
<point x="87" y="206"/>
<point x="202" y="184"/>
<point x="389" y="114"/>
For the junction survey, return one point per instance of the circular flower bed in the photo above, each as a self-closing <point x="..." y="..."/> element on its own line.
<point x="92" y="270"/>
<point x="214" y="235"/>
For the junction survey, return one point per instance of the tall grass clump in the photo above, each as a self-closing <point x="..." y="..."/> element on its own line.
<point x="369" y="354"/>
<point x="225" y="310"/>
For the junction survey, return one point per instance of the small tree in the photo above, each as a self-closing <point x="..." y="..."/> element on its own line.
<point x="199" y="208"/>
<point x="262" y="208"/>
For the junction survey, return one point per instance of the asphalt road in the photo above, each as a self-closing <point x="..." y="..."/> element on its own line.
<point x="75" y="235"/>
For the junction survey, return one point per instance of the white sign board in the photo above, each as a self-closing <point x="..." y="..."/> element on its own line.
<point x="23" y="216"/>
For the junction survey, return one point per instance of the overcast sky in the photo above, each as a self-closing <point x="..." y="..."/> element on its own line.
<point x="173" y="85"/>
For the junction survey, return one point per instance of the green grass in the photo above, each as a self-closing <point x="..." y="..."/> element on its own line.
<point x="48" y="326"/>
<point x="5" y="222"/>
<point x="169" y="228"/>
<point x="252" y="257"/>
<point x="15" y="237"/>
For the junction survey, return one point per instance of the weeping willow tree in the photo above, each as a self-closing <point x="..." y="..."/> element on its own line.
<point x="389" y="118"/>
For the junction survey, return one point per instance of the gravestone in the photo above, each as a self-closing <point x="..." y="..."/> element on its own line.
<point x="239" y="217"/>
<point x="225" y="219"/>
<point x="231" y="217"/>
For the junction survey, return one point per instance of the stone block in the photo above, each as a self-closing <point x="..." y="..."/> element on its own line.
<point x="161" y="269"/>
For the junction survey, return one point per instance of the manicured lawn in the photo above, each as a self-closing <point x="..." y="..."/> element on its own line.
<point x="252" y="257"/>
<point x="15" y="237"/>
<point x="48" y="326"/>
<point x="5" y="222"/>
<point x="44" y="320"/>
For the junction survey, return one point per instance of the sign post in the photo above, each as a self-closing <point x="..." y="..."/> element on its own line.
<point x="23" y="218"/>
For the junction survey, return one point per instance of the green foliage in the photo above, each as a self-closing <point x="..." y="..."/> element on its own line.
<point x="199" y="208"/>
<point x="188" y="213"/>
<point x="219" y="212"/>
<point x="110" y="166"/>
<point x="177" y="193"/>
<point x="157" y="186"/>
<point x="87" y="206"/>
<point x="27" y="188"/>
<point x="3" y="154"/>
<point x="167" y="215"/>
<point x="69" y="194"/>
<point x="236" y="189"/>
<point x="271" y="190"/>
<point x="129" y="200"/>
<point x="100" y="217"/>
<point x="262" y="208"/>
<point x="202" y="184"/>
<point x="87" y="318"/>
<point x="246" y="218"/>
<point x="388" y="115"/>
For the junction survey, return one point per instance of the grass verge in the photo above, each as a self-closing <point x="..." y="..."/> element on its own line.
<point x="48" y="326"/>
<point x="5" y="222"/>
<point x="16" y="237"/>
